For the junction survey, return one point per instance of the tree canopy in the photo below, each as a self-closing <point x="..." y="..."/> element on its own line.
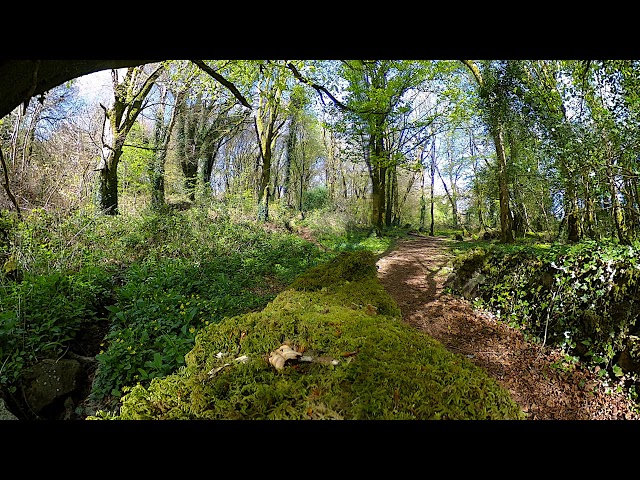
<point x="549" y="145"/>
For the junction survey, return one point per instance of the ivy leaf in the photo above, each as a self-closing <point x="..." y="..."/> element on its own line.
<point x="617" y="371"/>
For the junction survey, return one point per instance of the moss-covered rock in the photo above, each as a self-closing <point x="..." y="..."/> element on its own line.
<point x="583" y="298"/>
<point x="359" y="361"/>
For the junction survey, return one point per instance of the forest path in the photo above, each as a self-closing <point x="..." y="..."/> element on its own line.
<point x="414" y="274"/>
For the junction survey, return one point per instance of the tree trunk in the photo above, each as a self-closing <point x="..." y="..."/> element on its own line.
<point x="289" y="159"/>
<point x="506" y="222"/>
<point x="392" y="210"/>
<point x="451" y="195"/>
<point x="162" y="135"/>
<point x="571" y="214"/>
<point x="6" y="185"/>
<point x="378" y="174"/>
<point x="616" y="209"/>
<point x="423" y="202"/>
<point x="496" y="129"/>
<point x="433" y="184"/>
<point x="263" y="185"/>
<point x="108" y="186"/>
<point x="119" y="119"/>
<point x="378" y="198"/>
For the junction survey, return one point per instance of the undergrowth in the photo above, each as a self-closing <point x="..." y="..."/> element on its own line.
<point x="168" y="284"/>
<point x="368" y="364"/>
<point x="583" y="298"/>
<point x="156" y="278"/>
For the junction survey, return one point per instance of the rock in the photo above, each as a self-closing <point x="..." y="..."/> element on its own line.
<point x="469" y="288"/>
<point x="629" y="359"/>
<point x="49" y="381"/>
<point x="5" y="414"/>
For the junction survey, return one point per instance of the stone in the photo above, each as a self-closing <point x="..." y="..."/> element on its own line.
<point x="50" y="380"/>
<point x="629" y="359"/>
<point x="5" y="414"/>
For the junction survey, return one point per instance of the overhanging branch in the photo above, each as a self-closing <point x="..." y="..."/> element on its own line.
<point x="230" y="86"/>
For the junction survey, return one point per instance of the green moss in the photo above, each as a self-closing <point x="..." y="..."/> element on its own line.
<point x="346" y="267"/>
<point x="383" y="369"/>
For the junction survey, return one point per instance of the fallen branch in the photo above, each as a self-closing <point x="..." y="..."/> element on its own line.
<point x="324" y="360"/>
<point x="213" y="371"/>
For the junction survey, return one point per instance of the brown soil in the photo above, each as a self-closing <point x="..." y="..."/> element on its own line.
<point x="414" y="274"/>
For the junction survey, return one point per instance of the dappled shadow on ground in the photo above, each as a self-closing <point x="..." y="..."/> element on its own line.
<point x="546" y="388"/>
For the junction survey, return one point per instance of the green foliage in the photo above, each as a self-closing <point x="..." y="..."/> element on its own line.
<point x="375" y="366"/>
<point x="41" y="315"/>
<point x="344" y="237"/>
<point x="315" y="198"/>
<point x="158" y="279"/>
<point x="162" y="280"/>
<point x="346" y="267"/>
<point x="134" y="163"/>
<point x="173" y="292"/>
<point x="584" y="298"/>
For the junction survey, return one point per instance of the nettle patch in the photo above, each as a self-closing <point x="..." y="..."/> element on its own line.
<point x="583" y="298"/>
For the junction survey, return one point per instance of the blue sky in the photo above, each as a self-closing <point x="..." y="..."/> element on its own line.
<point x="95" y="87"/>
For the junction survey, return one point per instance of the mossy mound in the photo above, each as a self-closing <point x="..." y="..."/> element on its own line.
<point x="362" y="362"/>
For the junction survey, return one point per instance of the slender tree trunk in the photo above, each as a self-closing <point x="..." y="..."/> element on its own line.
<point x="451" y="195"/>
<point x="476" y="187"/>
<point x="497" y="133"/>
<point x="15" y="135"/>
<point x="161" y="143"/>
<point x="572" y="208"/>
<point x="616" y="210"/>
<point x="506" y="221"/>
<point x="391" y="207"/>
<point x="399" y="205"/>
<point x="29" y="138"/>
<point x="423" y="201"/>
<point x="290" y="153"/>
<point x="266" y="138"/>
<point x="590" y="219"/>
<point x="6" y="185"/>
<point x="433" y="185"/>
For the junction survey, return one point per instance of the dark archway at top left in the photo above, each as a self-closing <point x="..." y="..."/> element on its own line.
<point x="20" y="80"/>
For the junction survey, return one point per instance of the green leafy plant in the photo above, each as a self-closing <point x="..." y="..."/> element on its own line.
<point x="583" y="298"/>
<point x="42" y="314"/>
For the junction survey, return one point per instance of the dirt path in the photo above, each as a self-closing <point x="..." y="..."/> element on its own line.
<point x="414" y="274"/>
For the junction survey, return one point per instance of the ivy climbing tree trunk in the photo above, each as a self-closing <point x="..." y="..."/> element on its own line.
<point x="6" y="185"/>
<point x="162" y="134"/>
<point x="267" y="126"/>
<point x="378" y="173"/>
<point x="129" y="101"/>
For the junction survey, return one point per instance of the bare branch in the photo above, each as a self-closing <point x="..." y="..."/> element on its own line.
<point x="319" y="88"/>
<point x="230" y="86"/>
